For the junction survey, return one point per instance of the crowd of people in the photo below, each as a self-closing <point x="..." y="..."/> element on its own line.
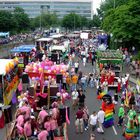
<point x="37" y="121"/>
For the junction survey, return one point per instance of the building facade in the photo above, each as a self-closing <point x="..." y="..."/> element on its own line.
<point x="61" y="7"/>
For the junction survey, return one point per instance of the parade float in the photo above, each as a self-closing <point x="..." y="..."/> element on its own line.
<point x="24" y="53"/>
<point x="42" y="43"/>
<point x="9" y="79"/>
<point x="109" y="66"/>
<point x="45" y="76"/>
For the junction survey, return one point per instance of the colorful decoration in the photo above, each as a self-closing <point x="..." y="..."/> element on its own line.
<point x="129" y="131"/>
<point x="100" y="96"/>
<point x="63" y="95"/>
<point x="8" y="93"/>
<point x="108" y="108"/>
<point x="46" y="67"/>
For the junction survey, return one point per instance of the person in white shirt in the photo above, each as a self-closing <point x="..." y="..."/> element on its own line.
<point x="123" y="84"/>
<point x="93" y="121"/>
<point x="76" y="65"/>
<point x="84" y="61"/>
<point x="101" y="115"/>
<point x="105" y="86"/>
<point x="64" y="83"/>
<point x="75" y="98"/>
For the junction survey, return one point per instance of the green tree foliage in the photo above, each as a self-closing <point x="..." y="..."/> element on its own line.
<point x="46" y="20"/>
<point x="95" y="22"/>
<point x="22" y="19"/>
<point x="83" y="22"/>
<point x="123" y="23"/>
<point x="72" y="21"/>
<point x="7" y="22"/>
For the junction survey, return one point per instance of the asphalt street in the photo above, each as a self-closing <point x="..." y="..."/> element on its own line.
<point x="93" y="105"/>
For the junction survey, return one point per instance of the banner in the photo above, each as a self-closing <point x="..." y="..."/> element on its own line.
<point x="8" y="93"/>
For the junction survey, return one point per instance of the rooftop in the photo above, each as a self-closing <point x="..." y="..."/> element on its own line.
<point x="46" y="0"/>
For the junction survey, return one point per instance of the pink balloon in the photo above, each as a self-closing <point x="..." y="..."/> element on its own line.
<point x="52" y="68"/>
<point x="49" y="71"/>
<point x="33" y="78"/>
<point x="46" y="83"/>
<point x="58" y="94"/>
<point x="46" y="67"/>
<point x="64" y="96"/>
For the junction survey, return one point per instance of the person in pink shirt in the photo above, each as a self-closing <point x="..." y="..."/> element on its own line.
<point x="27" y="128"/>
<point x="53" y="126"/>
<point x="42" y="114"/>
<point x="20" y="120"/>
<point x="47" y="126"/>
<point x="43" y="135"/>
<point x="20" y="130"/>
<point x="54" y="104"/>
<point x="25" y="108"/>
<point x="55" y="113"/>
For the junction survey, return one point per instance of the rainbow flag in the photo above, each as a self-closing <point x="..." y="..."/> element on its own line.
<point x="109" y="120"/>
<point x="129" y="134"/>
<point x="100" y="96"/>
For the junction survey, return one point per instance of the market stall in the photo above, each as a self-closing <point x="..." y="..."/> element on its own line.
<point x="109" y="66"/>
<point x="25" y="54"/>
<point x="9" y="80"/>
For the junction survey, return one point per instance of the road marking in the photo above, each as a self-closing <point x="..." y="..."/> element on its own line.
<point x="114" y="130"/>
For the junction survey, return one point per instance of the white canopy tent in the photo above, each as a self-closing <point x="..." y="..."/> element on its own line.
<point x="3" y="63"/>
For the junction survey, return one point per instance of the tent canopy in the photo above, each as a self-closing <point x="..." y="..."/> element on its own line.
<point x="3" y="63"/>
<point x="44" y="39"/>
<point x="58" y="48"/>
<point x="56" y="36"/>
<point x="73" y="35"/>
<point x="23" y="48"/>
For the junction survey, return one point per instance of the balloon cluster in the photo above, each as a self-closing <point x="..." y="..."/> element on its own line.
<point x="63" y="94"/>
<point x="46" y="67"/>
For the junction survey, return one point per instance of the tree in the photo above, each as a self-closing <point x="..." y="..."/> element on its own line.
<point x="71" y="21"/>
<point x="22" y="19"/>
<point x="83" y="22"/>
<point x="46" y="20"/>
<point x="7" y="23"/>
<point x="108" y="5"/>
<point x="95" y="22"/>
<point x="123" y="23"/>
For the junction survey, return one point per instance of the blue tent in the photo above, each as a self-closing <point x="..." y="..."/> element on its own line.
<point x="23" y="48"/>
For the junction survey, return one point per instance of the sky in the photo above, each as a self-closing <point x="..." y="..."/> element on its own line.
<point x="96" y="4"/>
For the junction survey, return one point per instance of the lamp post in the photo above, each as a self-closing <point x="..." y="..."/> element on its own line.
<point x="114" y="4"/>
<point x="41" y="17"/>
<point x="74" y="21"/>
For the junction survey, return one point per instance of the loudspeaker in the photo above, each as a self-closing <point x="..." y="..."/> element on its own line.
<point x="25" y="78"/>
<point x="59" y="78"/>
<point x="54" y="57"/>
<point x="31" y="91"/>
<point x="7" y="114"/>
<point x="62" y="113"/>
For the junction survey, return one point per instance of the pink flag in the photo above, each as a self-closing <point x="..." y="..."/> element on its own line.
<point x="67" y="118"/>
<point x="20" y="86"/>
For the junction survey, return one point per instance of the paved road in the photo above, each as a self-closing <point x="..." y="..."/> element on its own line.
<point x="94" y="105"/>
